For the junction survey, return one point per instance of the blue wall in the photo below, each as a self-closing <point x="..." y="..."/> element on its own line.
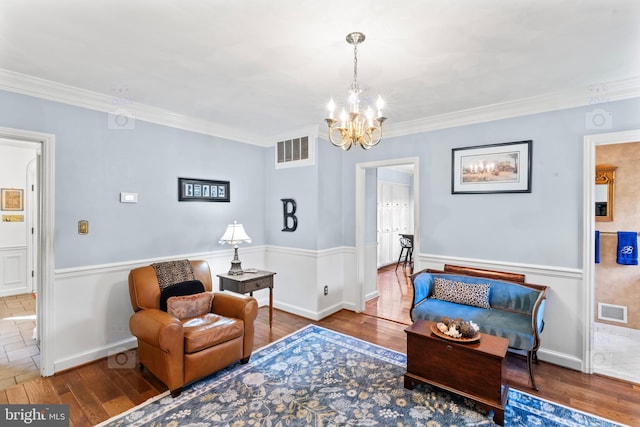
<point x="542" y="227"/>
<point x="95" y="163"/>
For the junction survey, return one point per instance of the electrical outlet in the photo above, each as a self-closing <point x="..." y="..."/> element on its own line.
<point x="326" y="290"/>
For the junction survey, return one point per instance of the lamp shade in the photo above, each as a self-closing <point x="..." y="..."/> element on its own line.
<point x="234" y="235"/>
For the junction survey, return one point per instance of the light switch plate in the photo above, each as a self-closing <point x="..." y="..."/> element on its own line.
<point x="83" y="226"/>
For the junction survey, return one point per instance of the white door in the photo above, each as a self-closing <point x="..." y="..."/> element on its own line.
<point x="393" y="220"/>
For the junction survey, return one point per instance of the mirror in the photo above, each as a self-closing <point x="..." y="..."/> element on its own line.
<point x="605" y="178"/>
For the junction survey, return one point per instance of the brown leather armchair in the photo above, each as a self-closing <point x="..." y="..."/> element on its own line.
<point x="181" y="351"/>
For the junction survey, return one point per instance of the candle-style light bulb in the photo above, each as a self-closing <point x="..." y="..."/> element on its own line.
<point x="331" y="106"/>
<point x="369" y="115"/>
<point x="343" y="117"/>
<point x="379" y="105"/>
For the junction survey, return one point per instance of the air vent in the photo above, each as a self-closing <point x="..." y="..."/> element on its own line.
<point x="294" y="152"/>
<point x="613" y="313"/>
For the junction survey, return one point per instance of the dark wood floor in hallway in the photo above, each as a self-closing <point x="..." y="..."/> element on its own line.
<point x="97" y="391"/>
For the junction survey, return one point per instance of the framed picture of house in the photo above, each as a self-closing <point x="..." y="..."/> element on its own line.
<point x="202" y="190"/>
<point x="495" y="168"/>
<point x="12" y="199"/>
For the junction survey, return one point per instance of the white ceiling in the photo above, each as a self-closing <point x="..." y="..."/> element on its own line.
<point x="268" y="67"/>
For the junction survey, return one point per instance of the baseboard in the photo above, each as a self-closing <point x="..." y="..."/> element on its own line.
<point x="95" y="354"/>
<point x="371" y="296"/>
<point x="561" y="359"/>
<point x="308" y="314"/>
<point x="329" y="311"/>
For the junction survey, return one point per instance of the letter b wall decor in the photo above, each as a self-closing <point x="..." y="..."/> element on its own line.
<point x="288" y="215"/>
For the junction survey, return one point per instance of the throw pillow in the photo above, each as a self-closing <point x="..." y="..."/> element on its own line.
<point x="188" y="306"/>
<point x="444" y="289"/>
<point x="189" y="287"/>
<point x="476" y="295"/>
<point x="473" y="294"/>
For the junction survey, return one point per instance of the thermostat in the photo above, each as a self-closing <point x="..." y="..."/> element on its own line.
<point x="128" y="197"/>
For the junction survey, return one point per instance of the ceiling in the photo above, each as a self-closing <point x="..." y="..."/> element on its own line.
<point x="269" y="67"/>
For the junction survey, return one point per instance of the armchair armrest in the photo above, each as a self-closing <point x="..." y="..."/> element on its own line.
<point x="158" y="329"/>
<point x="242" y="307"/>
<point x="235" y="305"/>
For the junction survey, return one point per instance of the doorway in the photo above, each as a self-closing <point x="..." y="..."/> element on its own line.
<point x="366" y="223"/>
<point x="391" y="298"/>
<point x="18" y="161"/>
<point x="595" y="342"/>
<point x="41" y="231"/>
<point x="616" y="342"/>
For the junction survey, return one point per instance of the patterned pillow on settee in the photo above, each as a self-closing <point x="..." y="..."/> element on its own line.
<point x="476" y="295"/>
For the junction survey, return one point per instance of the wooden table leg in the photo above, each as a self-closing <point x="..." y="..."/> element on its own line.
<point x="270" y="307"/>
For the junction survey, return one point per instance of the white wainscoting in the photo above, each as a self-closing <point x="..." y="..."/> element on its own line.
<point x="13" y="271"/>
<point x="302" y="275"/>
<point x="91" y="304"/>
<point x="563" y="335"/>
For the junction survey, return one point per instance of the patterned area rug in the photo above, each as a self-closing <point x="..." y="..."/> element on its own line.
<point x="317" y="377"/>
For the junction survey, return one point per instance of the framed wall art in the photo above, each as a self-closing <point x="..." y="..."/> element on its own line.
<point x="496" y="168"/>
<point x="12" y="199"/>
<point x="202" y="190"/>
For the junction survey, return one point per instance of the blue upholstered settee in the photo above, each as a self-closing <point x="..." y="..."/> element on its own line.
<point x="500" y="303"/>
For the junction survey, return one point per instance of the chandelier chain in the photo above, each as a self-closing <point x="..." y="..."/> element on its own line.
<point x="355" y="66"/>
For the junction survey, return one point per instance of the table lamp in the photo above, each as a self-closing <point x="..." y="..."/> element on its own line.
<point x="234" y="235"/>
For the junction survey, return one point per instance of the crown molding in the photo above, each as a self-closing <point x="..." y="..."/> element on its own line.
<point x="58" y="92"/>
<point x="598" y="94"/>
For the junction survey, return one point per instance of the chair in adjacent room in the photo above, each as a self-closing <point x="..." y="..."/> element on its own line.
<point x="406" y="253"/>
<point x="197" y="333"/>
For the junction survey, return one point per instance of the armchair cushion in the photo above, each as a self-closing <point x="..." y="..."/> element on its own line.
<point x="179" y="289"/>
<point x="187" y="306"/>
<point x="210" y="330"/>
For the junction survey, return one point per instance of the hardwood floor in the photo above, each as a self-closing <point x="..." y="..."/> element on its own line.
<point x="394" y="295"/>
<point x="97" y="391"/>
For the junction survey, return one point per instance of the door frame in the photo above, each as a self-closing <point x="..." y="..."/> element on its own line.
<point x="360" y="217"/>
<point x="45" y="232"/>
<point x="588" y="253"/>
<point x="33" y="223"/>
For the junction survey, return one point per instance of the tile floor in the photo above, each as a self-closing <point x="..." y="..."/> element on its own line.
<point x="616" y="352"/>
<point x="19" y="354"/>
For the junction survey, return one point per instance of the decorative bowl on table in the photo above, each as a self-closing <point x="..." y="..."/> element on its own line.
<point x="456" y="330"/>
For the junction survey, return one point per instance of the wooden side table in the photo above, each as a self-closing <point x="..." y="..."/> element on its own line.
<point x="475" y="371"/>
<point x="249" y="282"/>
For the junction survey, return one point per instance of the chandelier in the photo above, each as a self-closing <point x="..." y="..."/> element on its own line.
<point x="352" y="127"/>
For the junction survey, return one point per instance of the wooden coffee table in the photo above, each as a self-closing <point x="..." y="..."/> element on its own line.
<point x="473" y="370"/>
